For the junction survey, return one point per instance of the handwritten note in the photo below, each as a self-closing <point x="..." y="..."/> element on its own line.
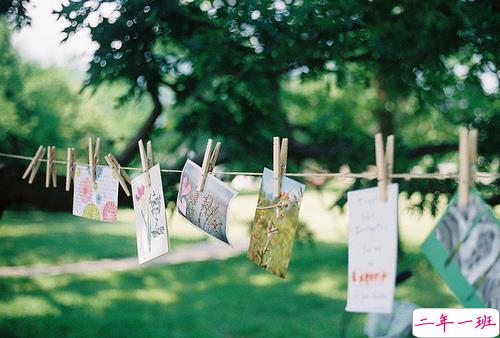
<point x="95" y="200"/>
<point x="151" y="222"/>
<point x="372" y="250"/>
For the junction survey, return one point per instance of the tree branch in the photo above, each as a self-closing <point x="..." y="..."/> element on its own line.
<point x="131" y="149"/>
<point x="432" y="149"/>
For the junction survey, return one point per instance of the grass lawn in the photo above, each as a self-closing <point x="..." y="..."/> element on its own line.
<point x="231" y="298"/>
<point x="35" y="238"/>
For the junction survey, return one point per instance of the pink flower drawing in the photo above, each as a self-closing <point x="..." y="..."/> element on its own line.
<point x="85" y="190"/>
<point x="109" y="212"/>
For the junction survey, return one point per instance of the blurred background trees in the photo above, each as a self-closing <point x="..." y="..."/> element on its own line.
<point x="326" y="74"/>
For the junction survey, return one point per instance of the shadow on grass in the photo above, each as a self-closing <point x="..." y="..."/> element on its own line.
<point x="55" y="238"/>
<point x="231" y="298"/>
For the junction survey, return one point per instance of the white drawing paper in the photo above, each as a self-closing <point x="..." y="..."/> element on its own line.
<point x="150" y="216"/>
<point x="372" y="251"/>
<point x="95" y="200"/>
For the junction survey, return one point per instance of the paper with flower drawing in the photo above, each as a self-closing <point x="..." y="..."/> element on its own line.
<point x="206" y="210"/>
<point x="96" y="200"/>
<point x="275" y="224"/>
<point x="372" y="250"/>
<point x="464" y="248"/>
<point x="150" y="216"/>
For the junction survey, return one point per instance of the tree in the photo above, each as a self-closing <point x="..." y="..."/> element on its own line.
<point x="42" y="106"/>
<point x="229" y="62"/>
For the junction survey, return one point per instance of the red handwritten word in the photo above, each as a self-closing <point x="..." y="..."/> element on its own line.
<point x="481" y="322"/>
<point x="368" y="277"/>
<point x="484" y="321"/>
<point x="427" y="323"/>
<point x="443" y="322"/>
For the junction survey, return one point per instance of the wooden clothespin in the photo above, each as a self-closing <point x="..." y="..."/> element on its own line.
<point x="385" y="163"/>
<point x="280" y="155"/>
<point x="122" y="175"/>
<point x="94" y="156"/>
<point x="34" y="165"/>
<point x="208" y="164"/>
<point x="51" y="167"/>
<point x="467" y="153"/>
<point x="146" y="159"/>
<point x="70" y="167"/>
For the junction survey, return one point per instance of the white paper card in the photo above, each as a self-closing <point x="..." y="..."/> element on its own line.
<point x="372" y="250"/>
<point x="150" y="216"/>
<point x="206" y="210"/>
<point x="95" y="200"/>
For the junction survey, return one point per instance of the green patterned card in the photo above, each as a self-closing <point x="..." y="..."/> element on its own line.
<point x="464" y="248"/>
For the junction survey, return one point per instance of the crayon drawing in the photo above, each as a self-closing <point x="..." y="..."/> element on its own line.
<point x="206" y="210"/>
<point x="464" y="248"/>
<point x="275" y="224"/>
<point x="150" y="216"/>
<point x="95" y="200"/>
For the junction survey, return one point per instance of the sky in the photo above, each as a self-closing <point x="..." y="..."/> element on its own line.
<point x="40" y="43"/>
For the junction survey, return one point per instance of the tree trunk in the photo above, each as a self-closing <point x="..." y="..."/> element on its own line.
<point x="275" y="91"/>
<point x="384" y="116"/>
<point x="131" y="149"/>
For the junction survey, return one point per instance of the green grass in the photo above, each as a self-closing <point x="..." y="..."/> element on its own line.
<point x="36" y="237"/>
<point x="231" y="298"/>
<point x="29" y="238"/>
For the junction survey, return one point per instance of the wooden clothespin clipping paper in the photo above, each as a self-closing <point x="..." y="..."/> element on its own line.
<point x="467" y="153"/>
<point x="34" y="165"/>
<point x="94" y="157"/>
<point x="121" y="174"/>
<point x="280" y="155"/>
<point x="385" y="163"/>
<point x="51" y="168"/>
<point x="146" y="159"/>
<point x="209" y="160"/>
<point x="70" y="167"/>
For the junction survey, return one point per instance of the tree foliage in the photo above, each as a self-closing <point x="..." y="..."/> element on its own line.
<point x="44" y="106"/>
<point x="327" y="74"/>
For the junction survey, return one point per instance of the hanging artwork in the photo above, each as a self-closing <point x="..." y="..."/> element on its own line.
<point x="464" y="248"/>
<point x="95" y="200"/>
<point x="275" y="224"/>
<point x="372" y="250"/>
<point x="207" y="210"/>
<point x="150" y="216"/>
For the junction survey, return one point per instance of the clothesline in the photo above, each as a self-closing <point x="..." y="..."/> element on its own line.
<point x="366" y="175"/>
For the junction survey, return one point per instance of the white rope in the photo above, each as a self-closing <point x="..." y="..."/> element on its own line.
<point x="369" y="176"/>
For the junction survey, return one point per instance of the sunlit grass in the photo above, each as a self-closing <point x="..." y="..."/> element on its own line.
<point x="231" y="298"/>
<point x="37" y="237"/>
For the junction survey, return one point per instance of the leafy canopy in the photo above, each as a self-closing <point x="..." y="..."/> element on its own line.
<point x="328" y="74"/>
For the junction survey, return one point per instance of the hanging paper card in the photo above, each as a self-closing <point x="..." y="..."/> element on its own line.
<point x="464" y="248"/>
<point x="275" y="224"/>
<point x="96" y="200"/>
<point x="207" y="210"/>
<point x="372" y="250"/>
<point x="150" y="216"/>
